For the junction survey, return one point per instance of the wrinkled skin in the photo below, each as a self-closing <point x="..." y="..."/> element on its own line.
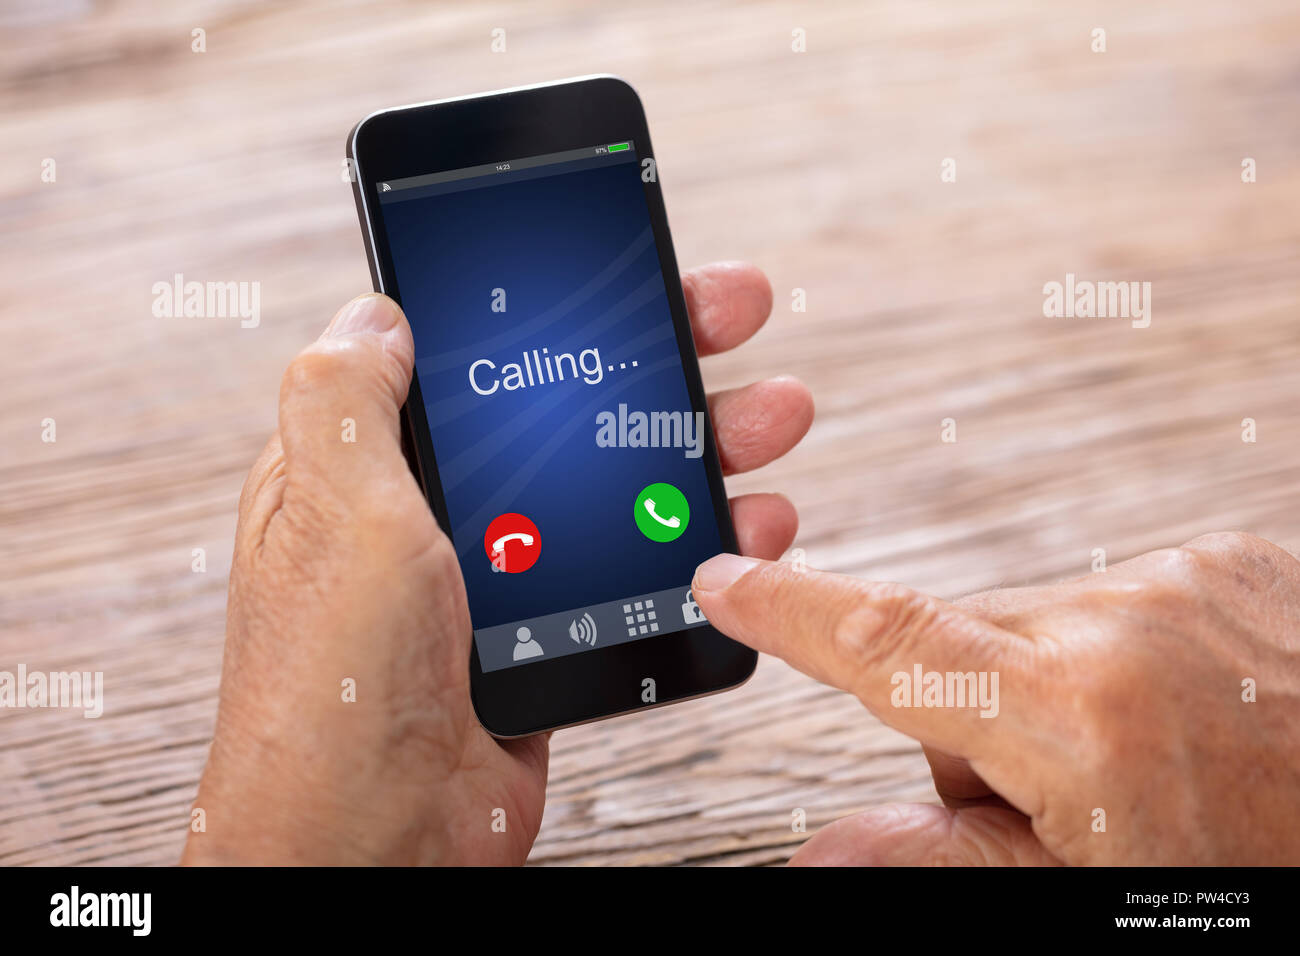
<point x="1120" y="692"/>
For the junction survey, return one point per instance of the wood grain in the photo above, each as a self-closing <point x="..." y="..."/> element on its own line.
<point x="924" y="303"/>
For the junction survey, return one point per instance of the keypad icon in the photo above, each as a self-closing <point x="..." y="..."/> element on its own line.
<point x="640" y="618"/>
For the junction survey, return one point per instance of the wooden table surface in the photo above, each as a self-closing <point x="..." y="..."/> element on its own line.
<point x="924" y="302"/>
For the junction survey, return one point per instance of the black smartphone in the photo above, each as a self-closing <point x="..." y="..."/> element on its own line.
<point x="556" y="418"/>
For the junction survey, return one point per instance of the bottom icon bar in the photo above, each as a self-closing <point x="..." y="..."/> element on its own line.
<point x="584" y="628"/>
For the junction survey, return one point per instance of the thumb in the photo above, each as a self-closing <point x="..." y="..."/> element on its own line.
<point x="341" y="398"/>
<point x="875" y="640"/>
<point x="926" y="835"/>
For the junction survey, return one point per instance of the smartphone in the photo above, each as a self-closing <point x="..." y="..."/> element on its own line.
<point x="556" y="419"/>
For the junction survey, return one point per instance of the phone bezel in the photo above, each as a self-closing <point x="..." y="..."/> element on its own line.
<point x="492" y="127"/>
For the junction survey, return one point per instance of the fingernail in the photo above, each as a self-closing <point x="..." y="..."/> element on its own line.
<point x="366" y="313"/>
<point x="721" y="571"/>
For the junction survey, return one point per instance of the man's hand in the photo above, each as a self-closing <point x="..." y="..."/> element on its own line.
<point x="341" y="574"/>
<point x="1160" y="698"/>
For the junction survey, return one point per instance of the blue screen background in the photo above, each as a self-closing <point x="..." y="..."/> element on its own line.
<point x="576" y="257"/>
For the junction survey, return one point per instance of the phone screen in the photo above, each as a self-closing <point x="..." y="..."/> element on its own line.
<point x="570" y="458"/>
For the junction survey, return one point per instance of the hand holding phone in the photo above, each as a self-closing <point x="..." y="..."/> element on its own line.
<point x="345" y="702"/>
<point x="345" y="705"/>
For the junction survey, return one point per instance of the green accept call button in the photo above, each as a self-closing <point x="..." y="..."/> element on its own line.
<point x="661" y="512"/>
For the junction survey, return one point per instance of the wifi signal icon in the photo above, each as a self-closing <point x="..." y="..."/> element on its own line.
<point x="583" y="629"/>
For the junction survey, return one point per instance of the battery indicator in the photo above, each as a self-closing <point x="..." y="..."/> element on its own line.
<point x="619" y="147"/>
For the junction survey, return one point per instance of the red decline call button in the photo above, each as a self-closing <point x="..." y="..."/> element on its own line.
<point x="512" y="543"/>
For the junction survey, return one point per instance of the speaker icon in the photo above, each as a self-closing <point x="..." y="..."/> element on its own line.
<point x="583" y="630"/>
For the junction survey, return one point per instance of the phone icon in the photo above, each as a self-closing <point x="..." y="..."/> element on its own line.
<point x="500" y="543"/>
<point x="512" y="543"/>
<point x="661" y="512"/>
<point x="673" y="522"/>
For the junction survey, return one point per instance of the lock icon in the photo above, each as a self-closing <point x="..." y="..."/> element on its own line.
<point x="691" y="612"/>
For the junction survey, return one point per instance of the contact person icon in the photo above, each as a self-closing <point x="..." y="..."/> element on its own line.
<point x="527" y="647"/>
